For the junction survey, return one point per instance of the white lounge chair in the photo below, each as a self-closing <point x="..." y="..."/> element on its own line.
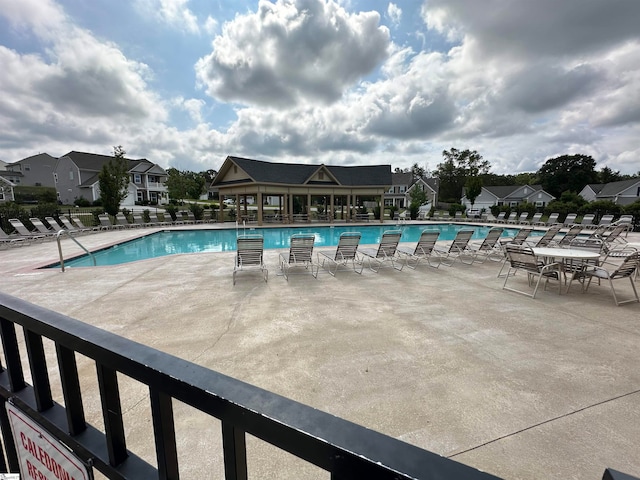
<point x="458" y="249"/>
<point x="300" y="254"/>
<point x="250" y="253"/>
<point x="25" y="232"/>
<point x="490" y="248"/>
<point x="424" y="250"/>
<point x="386" y="251"/>
<point x="344" y="253"/>
<point x="627" y="269"/>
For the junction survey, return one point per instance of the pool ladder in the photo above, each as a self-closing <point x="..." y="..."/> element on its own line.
<point x="66" y="232"/>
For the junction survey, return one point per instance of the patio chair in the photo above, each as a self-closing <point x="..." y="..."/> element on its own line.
<point x="250" y="253"/>
<point x="512" y="218"/>
<point x="53" y="223"/>
<point x="552" y="220"/>
<point x="576" y="268"/>
<point x="424" y="249"/>
<point x="138" y="220"/>
<point x="105" y="222"/>
<point x="300" y="254"/>
<point x="519" y="238"/>
<point x="490" y="248"/>
<point x="521" y="257"/>
<point x="81" y="225"/>
<point x="535" y="220"/>
<point x="386" y="251"/>
<point x="547" y="239"/>
<point x="500" y="218"/>
<point x="7" y="240"/>
<point x="122" y="221"/>
<point x="458" y="249"/>
<point x="344" y="253"/>
<point x="570" y="219"/>
<point x="587" y="221"/>
<point x="627" y="269"/>
<point x="71" y="228"/>
<point x="605" y="220"/>
<point x="42" y="228"/>
<point x="25" y="232"/>
<point x="522" y="219"/>
<point x="624" y="219"/>
<point x="572" y="233"/>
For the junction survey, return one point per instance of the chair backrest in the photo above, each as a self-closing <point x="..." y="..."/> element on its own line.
<point x="41" y="227"/>
<point x="53" y="223"/>
<point x="501" y="216"/>
<point x="570" y="218"/>
<point x="521" y="236"/>
<point x="548" y="236"/>
<point x="389" y="243"/>
<point x="536" y="217"/>
<point x="153" y="218"/>
<point x="121" y="219"/>
<point x="523" y="217"/>
<point x="250" y="250"/>
<point x="606" y="220"/>
<point x="347" y="245"/>
<point x="513" y="216"/>
<point x="19" y="226"/>
<point x="553" y="218"/>
<point x="104" y="220"/>
<point x="492" y="238"/>
<point x="461" y="240"/>
<point x="137" y="219"/>
<point x="78" y="222"/>
<point x="521" y="256"/>
<point x="426" y="243"/>
<point x="301" y="248"/>
<point x="573" y="232"/>
<point x="588" y="219"/>
<point x="67" y="223"/>
<point x="591" y="244"/>
<point x="615" y="233"/>
<point x="625" y="219"/>
<point x="628" y="267"/>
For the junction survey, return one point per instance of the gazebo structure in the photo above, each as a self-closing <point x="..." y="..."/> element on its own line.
<point x="293" y="188"/>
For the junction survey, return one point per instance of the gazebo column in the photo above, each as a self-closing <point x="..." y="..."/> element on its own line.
<point x="259" y="199"/>
<point x="381" y="207"/>
<point x="348" y="219"/>
<point x="290" y="213"/>
<point x="331" y="207"/>
<point x="308" y="207"/>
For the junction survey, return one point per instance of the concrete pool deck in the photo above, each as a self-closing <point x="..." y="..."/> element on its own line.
<point x="443" y="359"/>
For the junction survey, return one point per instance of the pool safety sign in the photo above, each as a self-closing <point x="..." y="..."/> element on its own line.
<point x="41" y="456"/>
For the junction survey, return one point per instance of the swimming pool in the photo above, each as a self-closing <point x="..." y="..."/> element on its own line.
<point x="171" y="242"/>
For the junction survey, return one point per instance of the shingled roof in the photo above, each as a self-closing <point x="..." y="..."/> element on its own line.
<point x="95" y="161"/>
<point x="299" y="174"/>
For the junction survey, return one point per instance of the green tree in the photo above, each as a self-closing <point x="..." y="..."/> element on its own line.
<point x="113" y="180"/>
<point x="567" y="172"/>
<point x="607" y="175"/>
<point x="417" y="171"/>
<point x="417" y="197"/>
<point x="454" y="170"/>
<point x="473" y="188"/>
<point x="181" y="185"/>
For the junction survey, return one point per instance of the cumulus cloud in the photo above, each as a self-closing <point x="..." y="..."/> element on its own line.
<point x="394" y="13"/>
<point x="293" y="51"/>
<point x="171" y="12"/>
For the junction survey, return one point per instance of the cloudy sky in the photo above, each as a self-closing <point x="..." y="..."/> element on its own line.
<point x="185" y="83"/>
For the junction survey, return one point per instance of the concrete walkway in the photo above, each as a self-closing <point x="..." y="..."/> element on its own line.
<point x="444" y="359"/>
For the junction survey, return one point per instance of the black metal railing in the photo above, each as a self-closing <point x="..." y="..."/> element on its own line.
<point x="344" y="449"/>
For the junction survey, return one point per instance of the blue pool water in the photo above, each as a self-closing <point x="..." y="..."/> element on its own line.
<point x="171" y="242"/>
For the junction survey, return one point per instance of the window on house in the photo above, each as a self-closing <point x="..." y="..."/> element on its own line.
<point x="1" y="194"/>
<point x="70" y="174"/>
<point x="525" y="191"/>
<point x="539" y="204"/>
<point x="27" y="168"/>
<point x="137" y="178"/>
<point x="140" y="196"/>
<point x="513" y="204"/>
<point x="55" y="178"/>
<point x="539" y="195"/>
<point x="403" y="188"/>
<point x="638" y="192"/>
<point x="321" y="175"/>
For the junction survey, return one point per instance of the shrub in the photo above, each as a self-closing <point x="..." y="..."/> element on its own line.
<point x="82" y="202"/>
<point x="45" y="210"/>
<point x="197" y="210"/>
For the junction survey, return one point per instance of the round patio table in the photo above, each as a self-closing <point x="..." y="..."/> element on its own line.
<point x="572" y="260"/>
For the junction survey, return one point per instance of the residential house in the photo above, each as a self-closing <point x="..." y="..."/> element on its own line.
<point x="6" y="190"/>
<point x="34" y="171"/>
<point x="77" y="176"/>
<point x="511" y="195"/>
<point x="622" y="192"/>
<point x="399" y="194"/>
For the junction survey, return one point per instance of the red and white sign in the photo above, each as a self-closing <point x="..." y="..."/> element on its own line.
<point x="41" y="456"/>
